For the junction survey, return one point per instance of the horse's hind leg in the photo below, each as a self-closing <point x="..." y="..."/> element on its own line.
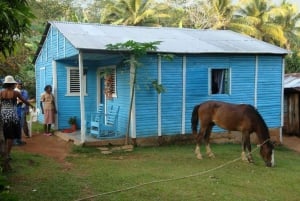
<point x="209" y="153"/>
<point x="198" y="142"/>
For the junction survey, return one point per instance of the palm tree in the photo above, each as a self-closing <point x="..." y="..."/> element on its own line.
<point x="254" y="18"/>
<point x="222" y="11"/>
<point x="288" y="20"/>
<point x="133" y="12"/>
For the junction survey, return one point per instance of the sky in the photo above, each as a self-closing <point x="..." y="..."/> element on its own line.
<point x="296" y="2"/>
<point x="277" y="2"/>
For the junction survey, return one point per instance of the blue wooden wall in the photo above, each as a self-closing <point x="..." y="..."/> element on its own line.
<point x="243" y="78"/>
<point x="55" y="47"/>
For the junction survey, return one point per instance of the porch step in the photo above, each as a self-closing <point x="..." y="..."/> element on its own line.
<point x="110" y="150"/>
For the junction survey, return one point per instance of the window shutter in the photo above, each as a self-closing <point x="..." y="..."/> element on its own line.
<point x="113" y="83"/>
<point x="74" y="81"/>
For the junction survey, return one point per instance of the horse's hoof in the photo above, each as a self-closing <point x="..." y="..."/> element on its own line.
<point x="243" y="156"/>
<point x="211" y="155"/>
<point x="199" y="156"/>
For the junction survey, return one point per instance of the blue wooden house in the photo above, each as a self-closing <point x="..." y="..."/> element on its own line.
<point x="206" y="65"/>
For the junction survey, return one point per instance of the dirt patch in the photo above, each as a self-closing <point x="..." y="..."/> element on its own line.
<point x="292" y="142"/>
<point x="51" y="146"/>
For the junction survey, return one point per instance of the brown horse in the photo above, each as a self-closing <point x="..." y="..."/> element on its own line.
<point x="232" y="117"/>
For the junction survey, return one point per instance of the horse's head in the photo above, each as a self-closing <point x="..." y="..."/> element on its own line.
<point x="267" y="153"/>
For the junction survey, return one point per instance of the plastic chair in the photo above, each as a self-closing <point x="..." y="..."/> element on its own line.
<point x="33" y="113"/>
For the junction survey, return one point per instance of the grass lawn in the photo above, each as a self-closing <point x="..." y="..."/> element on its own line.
<point x="169" y="173"/>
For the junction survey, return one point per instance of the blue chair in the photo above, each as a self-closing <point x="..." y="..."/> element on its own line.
<point x="96" y="118"/>
<point x="110" y="126"/>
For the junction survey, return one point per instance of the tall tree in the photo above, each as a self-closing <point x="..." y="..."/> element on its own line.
<point x="15" y="19"/>
<point x="133" y="12"/>
<point x="254" y="18"/>
<point x="289" y="19"/>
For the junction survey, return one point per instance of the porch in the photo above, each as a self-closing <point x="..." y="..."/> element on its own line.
<point x="75" y="137"/>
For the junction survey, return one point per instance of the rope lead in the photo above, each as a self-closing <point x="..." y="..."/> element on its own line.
<point x="167" y="180"/>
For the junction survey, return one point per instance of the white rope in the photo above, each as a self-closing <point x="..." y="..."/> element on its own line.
<point x="167" y="180"/>
<point x="264" y="142"/>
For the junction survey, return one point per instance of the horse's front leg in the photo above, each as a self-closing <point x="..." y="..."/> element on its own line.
<point x="249" y="156"/>
<point x="209" y="153"/>
<point x="246" y="146"/>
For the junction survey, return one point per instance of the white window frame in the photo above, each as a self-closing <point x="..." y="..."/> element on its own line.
<point x="69" y="80"/>
<point x="210" y="80"/>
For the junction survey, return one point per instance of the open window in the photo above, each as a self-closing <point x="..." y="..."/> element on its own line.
<point x="219" y="81"/>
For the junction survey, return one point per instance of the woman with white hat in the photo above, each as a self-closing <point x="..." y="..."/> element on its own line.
<point x="9" y="116"/>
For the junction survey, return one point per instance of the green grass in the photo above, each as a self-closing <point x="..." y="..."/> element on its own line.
<point x="87" y="173"/>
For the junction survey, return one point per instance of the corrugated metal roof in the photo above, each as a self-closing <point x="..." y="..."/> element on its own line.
<point x="173" y="40"/>
<point x="292" y="80"/>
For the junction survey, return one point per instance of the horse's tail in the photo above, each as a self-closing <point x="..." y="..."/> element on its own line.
<point x="194" y="119"/>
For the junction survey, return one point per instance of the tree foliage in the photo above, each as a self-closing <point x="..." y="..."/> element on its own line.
<point x="133" y="12"/>
<point x="14" y="20"/>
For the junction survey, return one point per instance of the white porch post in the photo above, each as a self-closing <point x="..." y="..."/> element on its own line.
<point x="183" y="94"/>
<point x="282" y="100"/>
<point x="82" y="104"/>
<point x="256" y="80"/>
<point x="159" y="97"/>
<point x="132" y="80"/>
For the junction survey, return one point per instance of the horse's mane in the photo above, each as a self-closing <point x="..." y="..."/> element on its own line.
<point x="260" y="118"/>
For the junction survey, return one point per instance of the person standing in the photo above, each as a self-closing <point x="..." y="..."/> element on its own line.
<point x="22" y="110"/>
<point x="48" y="108"/>
<point x="8" y="113"/>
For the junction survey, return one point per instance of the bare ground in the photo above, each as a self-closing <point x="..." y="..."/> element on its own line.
<point x="51" y="146"/>
<point x="292" y="142"/>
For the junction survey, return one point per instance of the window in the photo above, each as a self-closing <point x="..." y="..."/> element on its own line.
<point x="73" y="87"/>
<point x="219" y="81"/>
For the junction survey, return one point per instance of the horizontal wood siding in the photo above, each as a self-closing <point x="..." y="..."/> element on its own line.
<point x="269" y="99"/>
<point x="242" y="79"/>
<point x="146" y="98"/>
<point x="68" y="106"/>
<point x="171" y="100"/>
<point x="56" y="47"/>
<point x="91" y="85"/>
<point x="243" y="68"/>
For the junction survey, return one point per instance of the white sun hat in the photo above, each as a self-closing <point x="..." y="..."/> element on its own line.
<point x="9" y="80"/>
